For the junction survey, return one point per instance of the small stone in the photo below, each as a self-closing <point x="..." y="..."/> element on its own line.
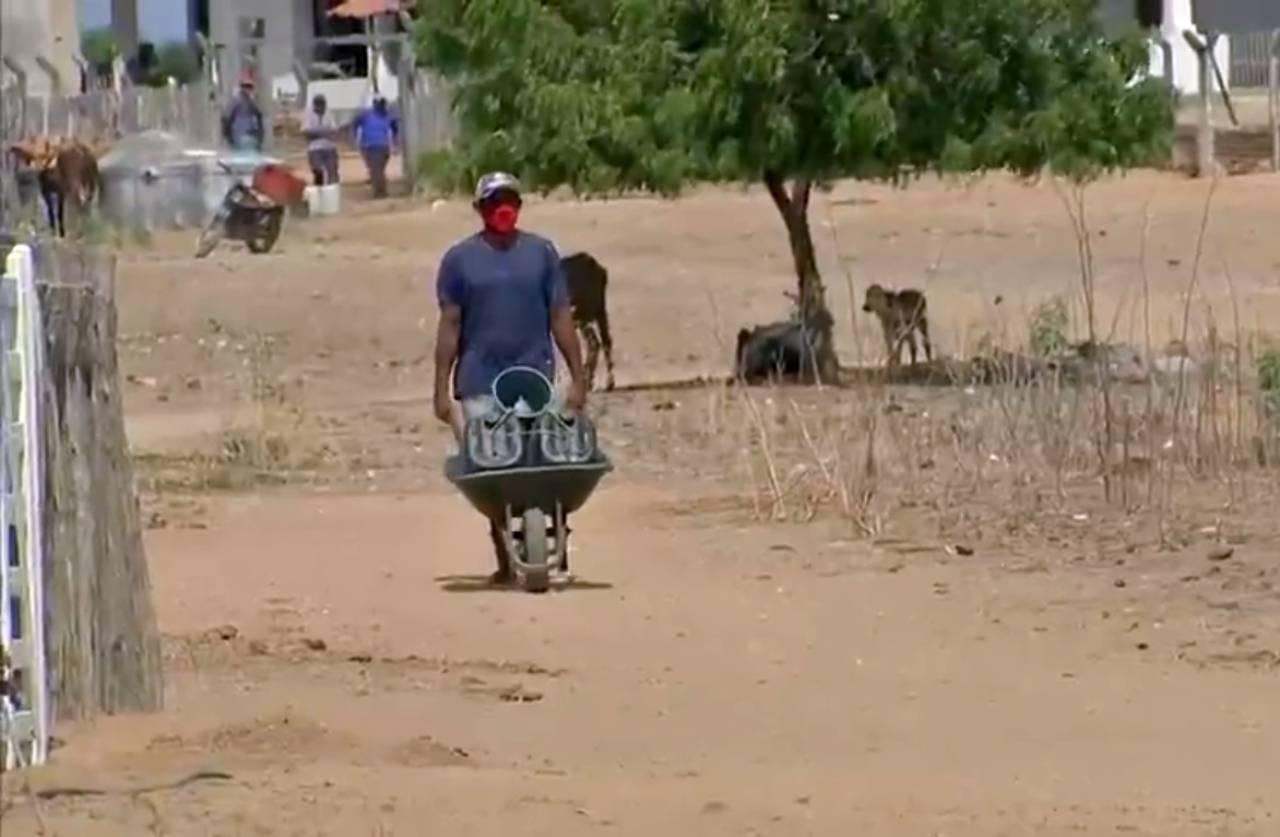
<point x="1120" y="582"/>
<point x="961" y="549"/>
<point x="314" y="644"/>
<point x="1221" y="553"/>
<point x="1142" y="646"/>
<point x="226" y="633"/>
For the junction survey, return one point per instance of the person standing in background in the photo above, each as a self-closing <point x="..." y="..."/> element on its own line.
<point x="242" y="124"/>
<point x="376" y="136"/>
<point x="320" y="128"/>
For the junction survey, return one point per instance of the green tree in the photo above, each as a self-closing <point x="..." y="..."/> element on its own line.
<point x="177" y="60"/>
<point x="610" y="95"/>
<point x="99" y="49"/>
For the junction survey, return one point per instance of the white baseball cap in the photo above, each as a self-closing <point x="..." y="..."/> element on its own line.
<point x="494" y="182"/>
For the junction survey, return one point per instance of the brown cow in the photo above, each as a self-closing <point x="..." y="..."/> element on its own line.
<point x="67" y="172"/>
<point x="588" y="280"/>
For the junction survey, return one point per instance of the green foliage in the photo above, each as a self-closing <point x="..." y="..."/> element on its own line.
<point x="99" y="48"/>
<point x="177" y="60"/>
<point x="1049" y="323"/>
<point x="608" y="95"/>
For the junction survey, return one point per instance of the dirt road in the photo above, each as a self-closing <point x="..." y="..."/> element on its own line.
<point x="331" y="649"/>
<point x="707" y="675"/>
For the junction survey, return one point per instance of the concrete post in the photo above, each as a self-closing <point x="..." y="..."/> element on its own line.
<point x="124" y="25"/>
<point x="1206" y="157"/>
<point x="55" y="77"/>
<point x="1273" y="98"/>
<point x="23" y="91"/>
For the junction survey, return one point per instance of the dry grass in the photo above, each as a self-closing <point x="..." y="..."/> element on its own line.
<point x="1162" y="461"/>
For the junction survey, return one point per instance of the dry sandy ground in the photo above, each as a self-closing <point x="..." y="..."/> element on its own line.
<point x="331" y="650"/>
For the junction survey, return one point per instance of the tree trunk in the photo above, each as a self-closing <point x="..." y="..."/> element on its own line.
<point x="811" y="296"/>
<point x="103" y="645"/>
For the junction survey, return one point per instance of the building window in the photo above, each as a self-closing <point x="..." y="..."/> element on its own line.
<point x="253" y="28"/>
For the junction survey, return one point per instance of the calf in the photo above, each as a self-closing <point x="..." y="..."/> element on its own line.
<point x="588" y="280"/>
<point x="901" y="314"/>
<point x="782" y="351"/>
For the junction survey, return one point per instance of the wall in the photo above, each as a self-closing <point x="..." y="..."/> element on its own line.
<point x="1117" y="15"/>
<point x="1177" y="19"/>
<point x="289" y="29"/>
<point x="42" y="27"/>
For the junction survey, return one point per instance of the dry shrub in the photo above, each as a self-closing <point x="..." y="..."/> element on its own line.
<point x="1194" y="442"/>
<point x="1182" y="447"/>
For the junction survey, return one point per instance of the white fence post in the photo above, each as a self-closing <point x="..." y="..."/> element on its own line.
<point x="24" y="698"/>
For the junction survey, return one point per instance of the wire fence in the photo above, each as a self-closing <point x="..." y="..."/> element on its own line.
<point x="1251" y="60"/>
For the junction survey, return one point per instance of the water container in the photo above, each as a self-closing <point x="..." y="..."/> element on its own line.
<point x="330" y="199"/>
<point x="311" y="195"/>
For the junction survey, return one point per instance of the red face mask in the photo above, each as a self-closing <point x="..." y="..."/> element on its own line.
<point x="502" y="218"/>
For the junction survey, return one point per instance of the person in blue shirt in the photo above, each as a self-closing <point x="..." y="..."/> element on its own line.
<point x="376" y="134"/>
<point x="243" y="126"/>
<point x="503" y="300"/>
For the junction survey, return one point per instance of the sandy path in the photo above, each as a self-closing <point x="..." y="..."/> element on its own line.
<point x="727" y="679"/>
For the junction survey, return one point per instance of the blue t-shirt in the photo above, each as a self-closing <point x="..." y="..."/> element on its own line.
<point x="375" y="130"/>
<point x="506" y="297"/>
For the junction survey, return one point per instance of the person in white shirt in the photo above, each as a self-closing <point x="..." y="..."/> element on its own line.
<point x="320" y="129"/>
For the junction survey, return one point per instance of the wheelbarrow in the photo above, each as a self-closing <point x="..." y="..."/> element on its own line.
<point x="527" y="468"/>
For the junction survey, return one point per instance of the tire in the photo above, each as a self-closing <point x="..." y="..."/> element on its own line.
<point x="266" y="237"/>
<point x="212" y="234"/>
<point x="537" y="575"/>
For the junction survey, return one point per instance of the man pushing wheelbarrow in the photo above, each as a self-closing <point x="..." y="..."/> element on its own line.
<point x="503" y="300"/>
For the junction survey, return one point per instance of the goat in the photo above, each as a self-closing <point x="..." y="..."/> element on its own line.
<point x="901" y="314"/>
<point x="588" y="281"/>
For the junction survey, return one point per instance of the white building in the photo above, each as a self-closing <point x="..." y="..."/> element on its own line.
<point x="1167" y="21"/>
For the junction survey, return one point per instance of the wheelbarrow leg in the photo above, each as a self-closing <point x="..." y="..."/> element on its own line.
<point x="497" y="534"/>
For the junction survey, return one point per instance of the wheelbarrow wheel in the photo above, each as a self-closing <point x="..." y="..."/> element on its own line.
<point x="537" y="575"/>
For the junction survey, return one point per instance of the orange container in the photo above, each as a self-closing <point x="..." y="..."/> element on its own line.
<point x="280" y="184"/>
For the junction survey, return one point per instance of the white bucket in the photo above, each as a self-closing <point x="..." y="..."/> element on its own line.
<point x="330" y="199"/>
<point x="311" y="195"/>
<point x="323" y="200"/>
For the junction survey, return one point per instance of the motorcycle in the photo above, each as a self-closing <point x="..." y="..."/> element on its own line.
<point x="246" y="214"/>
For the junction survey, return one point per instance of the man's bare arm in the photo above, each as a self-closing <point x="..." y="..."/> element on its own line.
<point x="448" y="334"/>
<point x="566" y="337"/>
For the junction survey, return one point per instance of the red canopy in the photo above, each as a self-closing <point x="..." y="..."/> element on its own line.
<point x="369" y="8"/>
